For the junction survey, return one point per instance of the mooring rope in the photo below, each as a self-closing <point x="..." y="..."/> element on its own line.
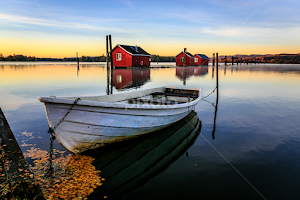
<point x="52" y="136"/>
<point x="209" y="94"/>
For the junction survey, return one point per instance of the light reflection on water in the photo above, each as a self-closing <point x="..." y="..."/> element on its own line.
<point x="257" y="127"/>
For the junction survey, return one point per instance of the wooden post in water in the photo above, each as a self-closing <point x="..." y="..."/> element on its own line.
<point x="237" y="61"/>
<point x="111" y="66"/>
<point x="232" y="60"/>
<point x="16" y="166"/>
<point x="77" y="60"/>
<point x="217" y="70"/>
<point x="111" y="56"/>
<point x="184" y="57"/>
<point x="107" y="66"/>
<point x="213" y="59"/>
<point x="225" y="60"/>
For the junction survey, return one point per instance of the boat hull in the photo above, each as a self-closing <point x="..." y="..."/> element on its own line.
<point x="88" y="127"/>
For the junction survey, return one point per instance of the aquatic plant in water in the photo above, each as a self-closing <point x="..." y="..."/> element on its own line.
<point x="73" y="176"/>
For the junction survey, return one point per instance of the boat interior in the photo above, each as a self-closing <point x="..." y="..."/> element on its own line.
<point x="170" y="96"/>
<point x="155" y="96"/>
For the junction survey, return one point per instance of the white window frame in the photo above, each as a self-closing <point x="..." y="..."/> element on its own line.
<point x="181" y="59"/>
<point x="118" y="56"/>
<point x="196" y="60"/>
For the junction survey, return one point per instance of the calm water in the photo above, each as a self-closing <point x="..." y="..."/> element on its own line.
<point x="254" y="154"/>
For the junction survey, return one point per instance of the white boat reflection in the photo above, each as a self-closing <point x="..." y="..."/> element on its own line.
<point x="128" y="165"/>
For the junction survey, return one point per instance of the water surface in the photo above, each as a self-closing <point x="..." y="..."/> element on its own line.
<point x="255" y="151"/>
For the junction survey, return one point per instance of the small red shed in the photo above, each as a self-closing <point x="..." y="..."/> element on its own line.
<point x="201" y="59"/>
<point x="189" y="59"/>
<point x="130" y="56"/>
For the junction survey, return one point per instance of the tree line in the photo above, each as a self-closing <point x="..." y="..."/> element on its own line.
<point x="154" y="58"/>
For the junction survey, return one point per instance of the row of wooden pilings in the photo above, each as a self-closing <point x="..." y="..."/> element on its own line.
<point x="238" y="61"/>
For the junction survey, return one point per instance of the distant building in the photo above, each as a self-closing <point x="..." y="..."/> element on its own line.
<point x="130" y="56"/>
<point x="189" y="59"/>
<point x="201" y="59"/>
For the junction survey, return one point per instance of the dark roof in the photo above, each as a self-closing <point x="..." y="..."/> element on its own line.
<point x="202" y="56"/>
<point x="132" y="50"/>
<point x="187" y="53"/>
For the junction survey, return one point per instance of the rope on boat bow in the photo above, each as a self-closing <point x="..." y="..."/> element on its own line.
<point x="52" y="136"/>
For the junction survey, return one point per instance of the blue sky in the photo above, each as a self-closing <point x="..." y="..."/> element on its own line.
<point x="58" y="28"/>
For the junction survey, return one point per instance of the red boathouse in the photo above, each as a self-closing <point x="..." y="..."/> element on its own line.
<point x="130" y="56"/>
<point x="189" y="59"/>
<point x="201" y="59"/>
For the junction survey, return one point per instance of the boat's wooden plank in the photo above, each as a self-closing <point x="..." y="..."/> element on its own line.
<point x="90" y="130"/>
<point x="153" y="101"/>
<point x="119" y="111"/>
<point x="114" y="120"/>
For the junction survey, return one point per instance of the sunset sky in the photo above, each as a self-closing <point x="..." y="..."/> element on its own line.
<point x="61" y="28"/>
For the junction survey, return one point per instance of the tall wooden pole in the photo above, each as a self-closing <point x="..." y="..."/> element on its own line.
<point x="217" y="70"/>
<point x="111" y="66"/>
<point x="184" y="57"/>
<point x="232" y="60"/>
<point x="107" y="66"/>
<point x="111" y="56"/>
<point x="213" y="59"/>
<point x="225" y="60"/>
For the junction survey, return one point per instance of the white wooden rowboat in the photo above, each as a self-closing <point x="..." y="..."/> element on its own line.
<point x="99" y="120"/>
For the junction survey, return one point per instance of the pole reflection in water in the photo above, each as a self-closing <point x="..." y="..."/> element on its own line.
<point x="111" y="79"/>
<point x="184" y="73"/>
<point x="215" y="116"/>
<point x="127" y="165"/>
<point x="108" y="80"/>
<point x="184" y="76"/>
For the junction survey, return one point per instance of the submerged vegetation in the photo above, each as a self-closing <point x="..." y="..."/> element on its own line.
<point x="72" y="177"/>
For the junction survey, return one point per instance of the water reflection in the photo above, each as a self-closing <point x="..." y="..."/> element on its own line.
<point x="124" y="79"/>
<point x="183" y="73"/>
<point x="129" y="164"/>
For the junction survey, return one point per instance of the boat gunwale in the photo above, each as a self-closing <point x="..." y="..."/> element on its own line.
<point x="64" y="100"/>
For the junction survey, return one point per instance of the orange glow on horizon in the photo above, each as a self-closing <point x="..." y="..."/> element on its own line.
<point x="44" y="48"/>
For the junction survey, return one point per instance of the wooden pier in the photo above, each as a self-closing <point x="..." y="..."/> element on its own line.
<point x="15" y="173"/>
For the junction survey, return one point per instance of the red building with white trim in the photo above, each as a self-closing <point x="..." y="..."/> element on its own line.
<point x="189" y="59"/>
<point x="130" y="56"/>
<point x="201" y="59"/>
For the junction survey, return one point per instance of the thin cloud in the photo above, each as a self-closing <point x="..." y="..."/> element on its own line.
<point x="71" y="25"/>
<point x="250" y="32"/>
